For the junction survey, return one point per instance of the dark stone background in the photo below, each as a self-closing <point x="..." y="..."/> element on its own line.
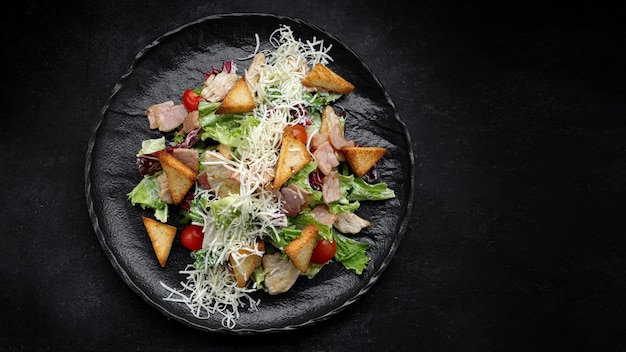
<point x="516" y="114"/>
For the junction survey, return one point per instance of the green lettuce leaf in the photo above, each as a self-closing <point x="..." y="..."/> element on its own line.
<point x="351" y="253"/>
<point x="317" y="101"/>
<point x="146" y="194"/>
<point x="203" y="258"/>
<point x="197" y="208"/>
<point x="151" y="145"/>
<point x="224" y="210"/>
<point x="361" y="190"/>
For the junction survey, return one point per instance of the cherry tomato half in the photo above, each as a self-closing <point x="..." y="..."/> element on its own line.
<point x="191" y="100"/>
<point x="323" y="251"/>
<point x="300" y="133"/>
<point x="191" y="237"/>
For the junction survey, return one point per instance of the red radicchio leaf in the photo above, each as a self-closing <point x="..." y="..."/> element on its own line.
<point x="227" y="66"/>
<point x="316" y="179"/>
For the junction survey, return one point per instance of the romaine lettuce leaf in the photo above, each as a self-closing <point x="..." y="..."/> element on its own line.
<point x="204" y="258"/>
<point x="351" y="253"/>
<point x="361" y="190"/>
<point x="151" y="145"/>
<point x="224" y="211"/>
<point x="146" y="194"/>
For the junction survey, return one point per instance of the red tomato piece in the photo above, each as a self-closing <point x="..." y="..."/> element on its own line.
<point x="323" y="251"/>
<point x="300" y="133"/>
<point x="191" y="100"/>
<point x="191" y="237"/>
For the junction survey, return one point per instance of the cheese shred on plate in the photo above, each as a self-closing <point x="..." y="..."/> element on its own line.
<point x="240" y="219"/>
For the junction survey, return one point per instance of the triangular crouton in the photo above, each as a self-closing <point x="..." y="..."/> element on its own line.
<point x="243" y="268"/>
<point x="238" y="100"/>
<point x="324" y="78"/>
<point x="162" y="236"/>
<point x="300" y="249"/>
<point x="292" y="158"/>
<point x="362" y="159"/>
<point x="180" y="177"/>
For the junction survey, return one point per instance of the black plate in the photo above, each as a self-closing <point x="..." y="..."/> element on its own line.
<point x="161" y="72"/>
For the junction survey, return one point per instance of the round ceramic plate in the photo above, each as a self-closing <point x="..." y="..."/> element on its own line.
<point x="162" y="71"/>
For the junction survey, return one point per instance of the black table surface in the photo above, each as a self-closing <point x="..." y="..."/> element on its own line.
<point x="516" y="240"/>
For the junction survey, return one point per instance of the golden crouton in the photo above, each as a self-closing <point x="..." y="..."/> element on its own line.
<point x="243" y="267"/>
<point x="180" y="178"/>
<point x="238" y="100"/>
<point x="300" y="249"/>
<point x="162" y="236"/>
<point x="362" y="159"/>
<point x="322" y="77"/>
<point x="292" y="158"/>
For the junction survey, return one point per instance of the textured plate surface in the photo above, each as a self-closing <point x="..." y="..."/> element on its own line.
<point x="160" y="72"/>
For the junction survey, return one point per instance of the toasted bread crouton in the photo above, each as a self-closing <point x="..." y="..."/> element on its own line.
<point x="300" y="249"/>
<point x="247" y="260"/>
<point x="238" y="100"/>
<point x="362" y="159"/>
<point x="322" y="77"/>
<point x="162" y="236"/>
<point x="293" y="156"/>
<point x="180" y="177"/>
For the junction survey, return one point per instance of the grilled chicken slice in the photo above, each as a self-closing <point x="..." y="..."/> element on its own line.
<point x="280" y="274"/>
<point x="350" y="223"/>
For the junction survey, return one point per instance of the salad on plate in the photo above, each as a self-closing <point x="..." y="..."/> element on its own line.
<point x="258" y="164"/>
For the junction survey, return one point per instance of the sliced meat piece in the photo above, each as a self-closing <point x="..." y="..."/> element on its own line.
<point x="218" y="85"/>
<point x="203" y="181"/>
<point x="350" y="223"/>
<point x="253" y="74"/>
<point x="326" y="158"/>
<point x="323" y="215"/>
<point x="317" y="140"/>
<point x="191" y="121"/>
<point x="166" y="116"/>
<point x="337" y="138"/>
<point x="172" y="118"/>
<point x="330" y="188"/>
<point x="329" y="119"/>
<point x="294" y="200"/>
<point x="155" y="111"/>
<point x="164" y="194"/>
<point x="187" y="156"/>
<point x="280" y="275"/>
